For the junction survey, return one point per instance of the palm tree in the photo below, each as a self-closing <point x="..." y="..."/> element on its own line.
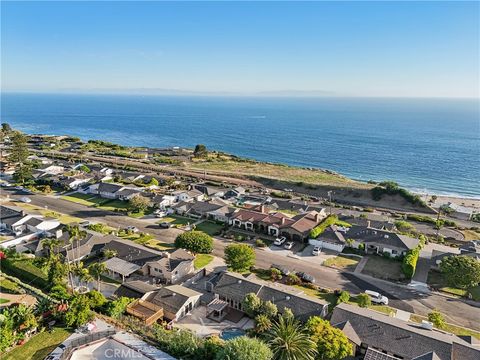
<point x="289" y="341"/>
<point x="97" y="269"/>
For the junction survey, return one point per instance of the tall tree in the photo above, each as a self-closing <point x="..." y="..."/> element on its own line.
<point x="239" y="257"/>
<point x="461" y="271"/>
<point x="200" y="151"/>
<point x="289" y="341"/>
<point x="97" y="269"/>
<point x="19" y="157"/>
<point x="245" y="348"/>
<point x="332" y="344"/>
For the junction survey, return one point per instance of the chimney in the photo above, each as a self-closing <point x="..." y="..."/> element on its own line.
<point x="318" y="217"/>
<point x="283" y="221"/>
<point x="262" y="208"/>
<point x="368" y="223"/>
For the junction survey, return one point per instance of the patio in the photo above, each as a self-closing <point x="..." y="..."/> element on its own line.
<point x="198" y="322"/>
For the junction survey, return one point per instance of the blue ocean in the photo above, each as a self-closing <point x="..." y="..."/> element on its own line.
<point x="430" y="145"/>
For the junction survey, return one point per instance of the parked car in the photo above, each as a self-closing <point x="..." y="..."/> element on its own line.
<point x="84" y="223"/>
<point x="279" y="241"/>
<point x="160" y="213"/>
<point x="132" y="229"/>
<point x="306" y="277"/>
<point x="165" y="225"/>
<point x="376" y="297"/>
<point x="18" y="188"/>
<point x="281" y="268"/>
<point x="25" y="199"/>
<point x="289" y="245"/>
<point x="317" y="250"/>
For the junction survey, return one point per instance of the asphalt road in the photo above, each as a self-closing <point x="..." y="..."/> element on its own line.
<point x="457" y="311"/>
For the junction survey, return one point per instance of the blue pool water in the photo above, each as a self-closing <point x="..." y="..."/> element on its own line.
<point x="232" y="333"/>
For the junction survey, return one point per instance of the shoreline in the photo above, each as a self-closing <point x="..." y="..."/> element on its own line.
<point x="442" y="197"/>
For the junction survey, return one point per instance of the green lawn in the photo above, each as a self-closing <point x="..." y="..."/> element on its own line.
<point x="38" y="347"/>
<point x="64" y="219"/>
<point x="202" y="260"/>
<point x="342" y="262"/>
<point x="78" y="198"/>
<point x="112" y="205"/>
<point x="147" y="240"/>
<point x="209" y="227"/>
<point x="454" y="329"/>
<point x="177" y="220"/>
<point x="4" y="301"/>
<point x="382" y="268"/>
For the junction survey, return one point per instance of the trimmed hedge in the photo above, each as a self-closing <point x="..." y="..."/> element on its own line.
<point x="409" y="263"/>
<point x="319" y="229"/>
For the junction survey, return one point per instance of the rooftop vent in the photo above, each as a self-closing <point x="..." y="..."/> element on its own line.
<point x="386" y="236"/>
<point x="239" y="281"/>
<point x="287" y="297"/>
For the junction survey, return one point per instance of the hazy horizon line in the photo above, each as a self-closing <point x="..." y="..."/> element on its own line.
<point x="177" y="92"/>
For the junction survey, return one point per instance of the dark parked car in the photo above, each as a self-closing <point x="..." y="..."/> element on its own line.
<point x="306" y="277"/>
<point x="165" y="225"/>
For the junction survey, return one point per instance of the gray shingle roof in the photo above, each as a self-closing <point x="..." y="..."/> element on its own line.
<point x="134" y="289"/>
<point x="381" y="237"/>
<point x="401" y="338"/>
<point x="172" y="298"/>
<point x="109" y="188"/>
<point x="236" y="287"/>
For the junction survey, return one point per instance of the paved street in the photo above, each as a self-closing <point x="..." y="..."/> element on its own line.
<point x="457" y="311"/>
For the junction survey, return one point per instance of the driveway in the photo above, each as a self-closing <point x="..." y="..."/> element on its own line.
<point x="306" y="255"/>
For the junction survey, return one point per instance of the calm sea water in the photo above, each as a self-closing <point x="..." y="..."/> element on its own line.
<point x="424" y="144"/>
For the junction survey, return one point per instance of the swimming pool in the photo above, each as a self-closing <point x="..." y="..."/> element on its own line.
<point x="231" y="333"/>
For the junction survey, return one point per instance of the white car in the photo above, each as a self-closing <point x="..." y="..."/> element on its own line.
<point x="317" y="250"/>
<point x="279" y="241"/>
<point x="289" y="245"/>
<point x="160" y="213"/>
<point x="376" y="297"/>
<point x="132" y="229"/>
<point x="25" y="200"/>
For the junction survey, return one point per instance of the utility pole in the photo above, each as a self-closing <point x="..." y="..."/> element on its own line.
<point x="330" y="200"/>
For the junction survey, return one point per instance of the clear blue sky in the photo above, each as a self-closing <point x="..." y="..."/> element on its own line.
<point x="357" y="49"/>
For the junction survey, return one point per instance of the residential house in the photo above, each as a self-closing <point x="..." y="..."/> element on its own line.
<point x="230" y="290"/>
<point x="26" y="227"/>
<point x="73" y="182"/>
<point x="175" y="300"/>
<point x="459" y="211"/>
<point x="108" y="190"/>
<point x="209" y="190"/>
<point x="234" y="193"/>
<point x="378" y="336"/>
<point x="333" y="238"/>
<point x="116" y="191"/>
<point x="277" y="224"/>
<point x="189" y="195"/>
<point x="173" y="267"/>
<point x="163" y="201"/>
<point x="378" y="241"/>
<point x="133" y="258"/>
<point x="471" y="249"/>
<point x="134" y="289"/>
<point x="203" y="209"/>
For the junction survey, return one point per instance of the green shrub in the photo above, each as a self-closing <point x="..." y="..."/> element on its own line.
<point x="260" y="243"/>
<point x="409" y="262"/>
<point x="343" y="297"/>
<point x="437" y="319"/>
<point x="364" y="300"/>
<point x="392" y="188"/>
